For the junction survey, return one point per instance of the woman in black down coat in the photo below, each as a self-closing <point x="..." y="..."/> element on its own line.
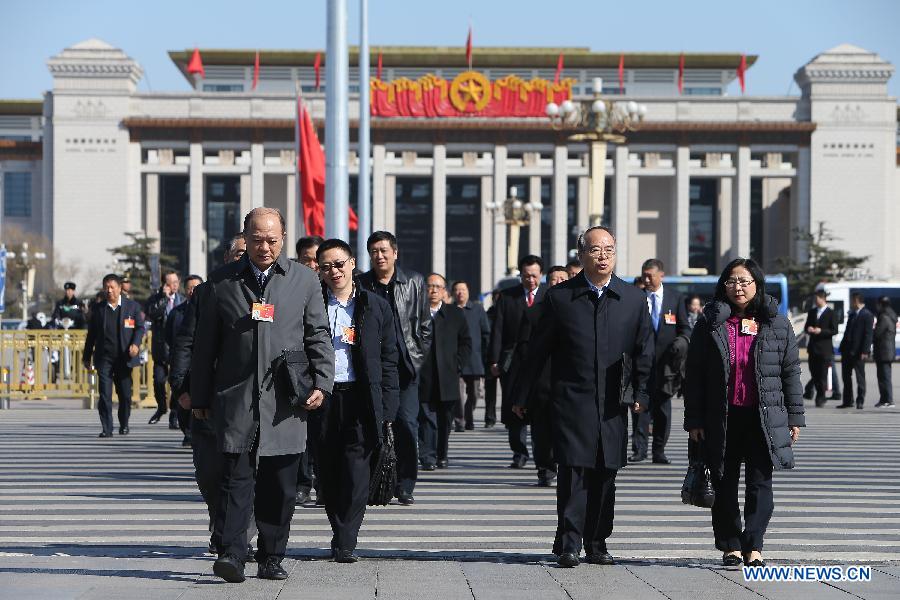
<point x="743" y="396"/>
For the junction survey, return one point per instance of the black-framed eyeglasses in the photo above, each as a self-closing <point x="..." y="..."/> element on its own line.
<point x="338" y="264"/>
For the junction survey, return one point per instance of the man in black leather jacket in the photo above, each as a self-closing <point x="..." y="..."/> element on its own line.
<point x="405" y="291"/>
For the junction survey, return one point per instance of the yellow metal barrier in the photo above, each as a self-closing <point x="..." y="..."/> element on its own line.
<point x="40" y="364"/>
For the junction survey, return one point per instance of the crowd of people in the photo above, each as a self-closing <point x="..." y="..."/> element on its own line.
<point x="287" y="376"/>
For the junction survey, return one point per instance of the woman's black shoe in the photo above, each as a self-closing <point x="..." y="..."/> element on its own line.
<point x="156" y="416"/>
<point x="731" y="560"/>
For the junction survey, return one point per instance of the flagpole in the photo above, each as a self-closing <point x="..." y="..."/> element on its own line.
<point x="363" y="200"/>
<point x="337" y="134"/>
<point x="301" y="216"/>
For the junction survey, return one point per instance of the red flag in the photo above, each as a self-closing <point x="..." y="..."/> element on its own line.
<point x="317" y="66"/>
<point x="742" y="70"/>
<point x="378" y="70"/>
<point x="622" y="73"/>
<point x="559" y="68"/>
<point x="311" y="164"/>
<point x="256" y="70"/>
<point x="469" y="48"/>
<point x="681" y="74"/>
<point x="195" y="65"/>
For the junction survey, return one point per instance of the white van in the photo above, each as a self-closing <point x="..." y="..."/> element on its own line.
<point x="839" y="300"/>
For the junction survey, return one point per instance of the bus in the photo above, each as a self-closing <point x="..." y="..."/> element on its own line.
<point x="705" y="287"/>
<point x="839" y="300"/>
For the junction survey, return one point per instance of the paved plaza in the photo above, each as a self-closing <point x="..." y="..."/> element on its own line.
<point x="88" y="518"/>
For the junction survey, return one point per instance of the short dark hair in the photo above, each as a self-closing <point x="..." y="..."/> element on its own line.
<point x="168" y="272"/>
<point x="444" y="279"/>
<point x="531" y="259"/>
<point x="334" y="243"/>
<point x="821" y="293"/>
<point x="381" y="236"/>
<point x="307" y="242"/>
<point x="858" y="297"/>
<point x="264" y="210"/>
<point x="112" y="277"/>
<point x="556" y="268"/>
<point x="580" y="244"/>
<point x="758" y="303"/>
<point x="460" y="282"/>
<point x="884" y="302"/>
<point x="193" y="278"/>
<point x="574" y="263"/>
<point x="653" y="263"/>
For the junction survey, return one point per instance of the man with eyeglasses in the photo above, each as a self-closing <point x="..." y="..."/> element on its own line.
<point x="405" y="292"/>
<point x="262" y="358"/>
<point x="451" y="346"/>
<point x="668" y="317"/>
<point x="595" y="331"/>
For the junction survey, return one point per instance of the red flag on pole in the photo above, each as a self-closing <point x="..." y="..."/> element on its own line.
<point x="311" y="165"/>
<point x="317" y="67"/>
<point x="469" y="48"/>
<point x="742" y="70"/>
<point x="378" y="70"/>
<point x="256" y="70"/>
<point x="559" y="69"/>
<point x="622" y="73"/>
<point x="195" y="65"/>
<point x="681" y="74"/>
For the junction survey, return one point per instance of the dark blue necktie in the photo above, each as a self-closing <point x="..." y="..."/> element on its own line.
<point x="261" y="280"/>
<point x="654" y="312"/>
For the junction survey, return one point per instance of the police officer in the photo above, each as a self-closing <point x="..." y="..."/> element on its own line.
<point x="68" y="307"/>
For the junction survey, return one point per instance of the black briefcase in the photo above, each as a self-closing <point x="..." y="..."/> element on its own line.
<point x="697" y="488"/>
<point x="383" y="478"/>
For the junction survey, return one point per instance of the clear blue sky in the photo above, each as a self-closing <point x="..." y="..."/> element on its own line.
<point x="784" y="33"/>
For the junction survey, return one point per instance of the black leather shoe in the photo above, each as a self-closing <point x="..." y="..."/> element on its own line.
<point x="807" y="395"/>
<point x="186" y="442"/>
<point x="302" y="497"/>
<point x="443" y="463"/>
<point x="845" y="406"/>
<point x="251" y="553"/>
<point x="758" y="562"/>
<point x="428" y="467"/>
<point x="545" y="478"/>
<point x="271" y="569"/>
<point x="636" y="458"/>
<point x="661" y="460"/>
<point x="124" y="430"/>
<point x="859" y="407"/>
<point x="568" y="560"/>
<point x="835" y="397"/>
<point x="105" y="434"/>
<point x="518" y="462"/>
<point x="157" y="416"/>
<point x="344" y="556"/>
<point x="405" y="498"/>
<point x="820" y="402"/>
<point x="173" y="420"/>
<point x="490" y="425"/>
<point x="731" y="560"/>
<point x="601" y="558"/>
<point x="470" y="426"/>
<point x="230" y="568"/>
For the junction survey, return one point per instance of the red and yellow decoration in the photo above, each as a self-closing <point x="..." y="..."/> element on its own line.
<point x="470" y="94"/>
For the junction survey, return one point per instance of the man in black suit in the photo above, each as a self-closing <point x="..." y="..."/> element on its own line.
<point x="113" y="343"/>
<point x="159" y="307"/>
<point x="855" y="349"/>
<point x="821" y="325"/>
<point x="596" y="332"/>
<point x="173" y="324"/>
<point x="451" y="346"/>
<point x="668" y="317"/>
<point x="510" y="309"/>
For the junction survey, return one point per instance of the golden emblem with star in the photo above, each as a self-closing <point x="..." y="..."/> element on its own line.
<point x="470" y="91"/>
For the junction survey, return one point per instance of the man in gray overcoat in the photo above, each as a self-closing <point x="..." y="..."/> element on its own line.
<point x="262" y="359"/>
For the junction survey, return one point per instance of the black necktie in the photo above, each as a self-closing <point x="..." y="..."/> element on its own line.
<point x="261" y="280"/>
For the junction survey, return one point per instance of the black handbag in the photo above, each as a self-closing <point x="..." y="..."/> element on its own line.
<point x="697" y="488"/>
<point x="383" y="479"/>
<point x="291" y="375"/>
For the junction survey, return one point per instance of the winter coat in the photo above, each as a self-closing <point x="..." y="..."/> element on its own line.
<point x="777" y="366"/>
<point x="885" y="335"/>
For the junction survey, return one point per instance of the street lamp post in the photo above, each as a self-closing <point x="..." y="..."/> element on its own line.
<point x="599" y="122"/>
<point x="515" y="214"/>
<point x="28" y="263"/>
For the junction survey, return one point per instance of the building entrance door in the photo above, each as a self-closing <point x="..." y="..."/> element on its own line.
<point x="223" y="216"/>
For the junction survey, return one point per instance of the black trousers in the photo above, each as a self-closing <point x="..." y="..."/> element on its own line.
<point x="745" y="444"/>
<point x="345" y="460"/>
<point x="208" y="466"/>
<point x="114" y="372"/>
<point x="406" y="434"/>
<point x="270" y="492"/>
<point x="585" y="507"/>
<point x="849" y="367"/>
<point x="490" y="400"/>
<point x="470" y="390"/>
<point x="818" y="370"/>
<point x="885" y="389"/>
<point x="542" y="436"/>
<point x="660" y="413"/>
<point x="517" y="430"/>
<point x="160" y="375"/>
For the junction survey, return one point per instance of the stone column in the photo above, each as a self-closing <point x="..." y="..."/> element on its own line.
<point x="682" y="214"/>
<point x="196" y="209"/>
<point x="488" y="276"/>
<point x="246" y="194"/>
<point x="620" y="209"/>
<point x="378" y="188"/>
<point x="151" y="208"/>
<point x="740" y="216"/>
<point x="134" y="202"/>
<point x="390" y="203"/>
<point x="499" y="196"/>
<point x="559" y="226"/>
<point x="257" y="158"/>
<point x="292" y="212"/>
<point x="534" y="226"/>
<point x="725" y="250"/>
<point x="581" y="212"/>
<point x="439" y="210"/>
<point x="800" y="198"/>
